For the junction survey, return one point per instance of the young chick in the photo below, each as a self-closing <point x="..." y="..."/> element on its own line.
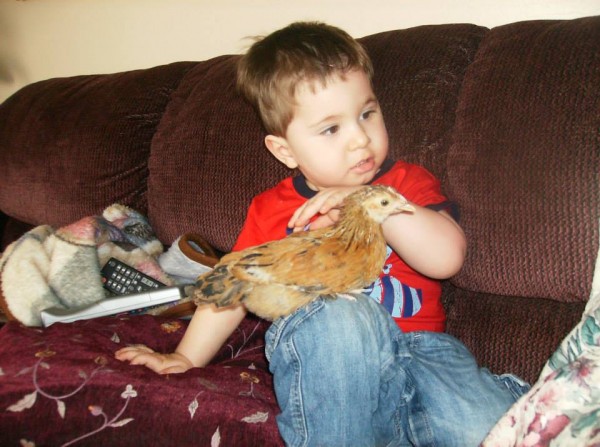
<point x="276" y="278"/>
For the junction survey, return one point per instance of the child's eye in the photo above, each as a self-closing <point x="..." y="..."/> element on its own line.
<point x="367" y="114"/>
<point x="330" y="130"/>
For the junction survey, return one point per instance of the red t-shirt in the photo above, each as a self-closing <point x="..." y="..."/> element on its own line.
<point x="412" y="299"/>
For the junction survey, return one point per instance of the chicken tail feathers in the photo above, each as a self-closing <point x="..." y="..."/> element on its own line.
<point x="218" y="287"/>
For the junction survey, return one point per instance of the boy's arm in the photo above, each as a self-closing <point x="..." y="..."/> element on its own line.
<point x="429" y="241"/>
<point x="208" y="329"/>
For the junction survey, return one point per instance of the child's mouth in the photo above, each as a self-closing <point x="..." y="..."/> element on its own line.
<point x="364" y="166"/>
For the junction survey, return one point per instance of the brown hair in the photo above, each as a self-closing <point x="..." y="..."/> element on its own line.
<point x="269" y="73"/>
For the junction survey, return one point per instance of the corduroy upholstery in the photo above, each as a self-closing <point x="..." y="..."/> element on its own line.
<point x="70" y="146"/>
<point x="507" y="118"/>
<point x="524" y="167"/>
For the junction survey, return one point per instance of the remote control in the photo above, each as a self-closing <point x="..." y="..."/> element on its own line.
<point x="122" y="279"/>
<point x="113" y="305"/>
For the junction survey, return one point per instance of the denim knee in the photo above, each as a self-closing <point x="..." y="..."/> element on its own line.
<point x="340" y="324"/>
<point x="330" y="362"/>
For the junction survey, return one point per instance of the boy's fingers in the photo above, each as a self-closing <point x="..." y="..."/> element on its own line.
<point x="324" y="202"/>
<point x="306" y="212"/>
<point x="132" y="351"/>
<point x="322" y="222"/>
<point x="300" y="217"/>
<point x="176" y="369"/>
<point x="143" y="348"/>
<point x="150" y="361"/>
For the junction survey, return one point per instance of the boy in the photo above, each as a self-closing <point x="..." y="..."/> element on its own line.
<point x="344" y="372"/>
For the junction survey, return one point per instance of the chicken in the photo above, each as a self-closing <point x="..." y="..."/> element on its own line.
<point x="276" y="278"/>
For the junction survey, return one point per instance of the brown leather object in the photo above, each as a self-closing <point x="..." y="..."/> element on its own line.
<point x="207" y="256"/>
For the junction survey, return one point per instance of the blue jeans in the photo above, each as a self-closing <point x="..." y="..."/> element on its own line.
<point x="345" y="375"/>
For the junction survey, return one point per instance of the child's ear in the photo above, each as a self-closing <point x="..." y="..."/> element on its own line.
<point x="278" y="146"/>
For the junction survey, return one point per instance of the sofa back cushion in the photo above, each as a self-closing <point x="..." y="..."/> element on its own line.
<point x="70" y="147"/>
<point x="525" y="161"/>
<point x="208" y="157"/>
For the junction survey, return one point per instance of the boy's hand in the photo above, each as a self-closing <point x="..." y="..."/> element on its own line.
<point x="159" y="363"/>
<point x="327" y="203"/>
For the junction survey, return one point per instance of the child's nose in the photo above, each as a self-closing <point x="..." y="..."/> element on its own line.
<point x="360" y="138"/>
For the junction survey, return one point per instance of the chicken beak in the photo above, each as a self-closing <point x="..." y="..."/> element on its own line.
<point x="405" y="207"/>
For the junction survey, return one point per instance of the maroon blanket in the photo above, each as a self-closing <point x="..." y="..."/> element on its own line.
<point x="62" y="386"/>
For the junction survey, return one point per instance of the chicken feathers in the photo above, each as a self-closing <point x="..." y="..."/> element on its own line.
<point x="276" y="278"/>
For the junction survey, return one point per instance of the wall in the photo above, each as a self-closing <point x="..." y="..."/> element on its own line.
<point x="40" y="39"/>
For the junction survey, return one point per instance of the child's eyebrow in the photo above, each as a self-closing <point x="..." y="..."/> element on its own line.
<point x="329" y="118"/>
<point x="371" y="101"/>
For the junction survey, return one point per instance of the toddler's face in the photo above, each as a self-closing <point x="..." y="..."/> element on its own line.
<point x="337" y="136"/>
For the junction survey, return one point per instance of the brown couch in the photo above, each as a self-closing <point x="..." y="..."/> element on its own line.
<point x="507" y="118"/>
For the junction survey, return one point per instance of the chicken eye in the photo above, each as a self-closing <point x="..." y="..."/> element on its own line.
<point x="385" y="202"/>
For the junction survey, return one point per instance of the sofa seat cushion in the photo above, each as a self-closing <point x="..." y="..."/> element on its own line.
<point x="67" y="373"/>
<point x="507" y="333"/>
